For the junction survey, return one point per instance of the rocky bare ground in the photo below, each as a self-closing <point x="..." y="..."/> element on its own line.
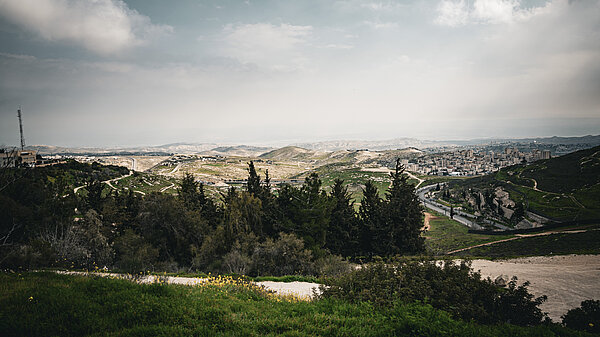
<point x="566" y="280"/>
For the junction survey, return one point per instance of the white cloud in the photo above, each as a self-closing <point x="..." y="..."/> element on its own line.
<point x="458" y="13"/>
<point x="277" y="47"/>
<point x="338" y="46"/>
<point x="102" y="26"/>
<point x="18" y="56"/>
<point x="381" y="25"/>
<point x="452" y="13"/>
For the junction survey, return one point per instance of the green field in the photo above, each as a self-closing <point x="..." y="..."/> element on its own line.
<point x="46" y="304"/>
<point x="431" y="180"/>
<point x="554" y="244"/>
<point x="140" y="182"/>
<point x="354" y="178"/>
<point x="447" y="235"/>
<point x="146" y="182"/>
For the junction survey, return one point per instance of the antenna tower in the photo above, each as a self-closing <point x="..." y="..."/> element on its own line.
<point x="21" y="129"/>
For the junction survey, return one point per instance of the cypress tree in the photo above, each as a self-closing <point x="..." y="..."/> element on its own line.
<point x="253" y="184"/>
<point x="370" y="215"/>
<point x="403" y="216"/>
<point x="341" y="232"/>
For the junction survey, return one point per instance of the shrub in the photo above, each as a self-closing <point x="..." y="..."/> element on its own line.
<point x="236" y="263"/>
<point x="451" y="287"/>
<point x="283" y="256"/>
<point x="134" y="254"/>
<point x="586" y="317"/>
<point x="332" y="266"/>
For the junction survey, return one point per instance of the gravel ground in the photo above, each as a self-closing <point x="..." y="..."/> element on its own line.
<point x="566" y="280"/>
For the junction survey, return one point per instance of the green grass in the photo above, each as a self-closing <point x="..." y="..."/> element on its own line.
<point x="550" y="204"/>
<point x="447" y="235"/>
<point x="353" y="177"/>
<point x="46" y="304"/>
<point x="553" y="244"/>
<point x="146" y="182"/>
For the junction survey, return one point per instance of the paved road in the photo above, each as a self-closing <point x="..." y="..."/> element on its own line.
<point x="176" y="168"/>
<point x="108" y="182"/>
<point x="458" y="216"/>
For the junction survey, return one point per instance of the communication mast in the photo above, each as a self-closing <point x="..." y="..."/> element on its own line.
<point x="21" y="129"/>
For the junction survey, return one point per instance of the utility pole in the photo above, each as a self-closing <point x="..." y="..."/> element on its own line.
<point x="21" y="129"/>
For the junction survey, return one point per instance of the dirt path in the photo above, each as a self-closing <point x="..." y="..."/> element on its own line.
<point x="303" y="290"/>
<point x="108" y="182"/>
<point x="566" y="280"/>
<point x="428" y="217"/>
<point x="519" y="236"/>
<point x="166" y="188"/>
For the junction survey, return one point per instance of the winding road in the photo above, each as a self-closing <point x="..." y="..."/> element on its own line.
<point x="107" y="182"/>
<point x="458" y="216"/>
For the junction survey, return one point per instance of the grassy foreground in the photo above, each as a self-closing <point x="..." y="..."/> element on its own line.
<point x="47" y="304"/>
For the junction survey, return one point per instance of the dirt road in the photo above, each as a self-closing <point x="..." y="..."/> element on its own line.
<point x="566" y="280"/>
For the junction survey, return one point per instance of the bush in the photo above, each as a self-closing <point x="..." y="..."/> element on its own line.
<point x="332" y="266"/>
<point x="451" y="287"/>
<point x="236" y="263"/>
<point x="586" y="317"/>
<point x="284" y="256"/>
<point x="134" y="254"/>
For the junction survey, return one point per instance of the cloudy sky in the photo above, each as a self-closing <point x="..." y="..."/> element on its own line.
<point x="148" y="72"/>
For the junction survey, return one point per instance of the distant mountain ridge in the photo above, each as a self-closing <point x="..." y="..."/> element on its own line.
<point x="402" y="143"/>
<point x="334" y="145"/>
<point x="376" y="145"/>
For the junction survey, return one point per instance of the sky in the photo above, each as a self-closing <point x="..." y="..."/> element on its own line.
<point x="149" y="72"/>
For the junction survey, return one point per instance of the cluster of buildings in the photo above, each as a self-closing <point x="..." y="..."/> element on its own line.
<point x="472" y="162"/>
<point x="26" y="158"/>
<point x="18" y="158"/>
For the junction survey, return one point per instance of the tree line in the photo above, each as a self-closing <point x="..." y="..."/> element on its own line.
<point x="254" y="230"/>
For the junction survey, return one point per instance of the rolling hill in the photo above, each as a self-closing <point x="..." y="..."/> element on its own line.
<point x="562" y="189"/>
<point x="292" y="153"/>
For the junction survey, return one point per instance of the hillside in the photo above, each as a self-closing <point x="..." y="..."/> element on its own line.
<point x="239" y="150"/>
<point x="564" y="188"/>
<point x="290" y="153"/>
<point x="567" y="173"/>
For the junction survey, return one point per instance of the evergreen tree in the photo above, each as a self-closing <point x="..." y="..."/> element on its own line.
<point x="403" y="216"/>
<point x="269" y="207"/>
<point x="194" y="198"/>
<point x="253" y="184"/>
<point x="370" y="215"/>
<point x="242" y="217"/>
<point x="94" y="197"/>
<point x="519" y="213"/>
<point x="304" y="211"/>
<point x="342" y="236"/>
<point x="188" y="192"/>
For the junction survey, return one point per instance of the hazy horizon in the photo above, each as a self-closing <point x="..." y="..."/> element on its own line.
<point x="282" y="143"/>
<point x="113" y="73"/>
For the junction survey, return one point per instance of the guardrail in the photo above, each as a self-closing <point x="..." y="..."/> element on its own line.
<point x="535" y="229"/>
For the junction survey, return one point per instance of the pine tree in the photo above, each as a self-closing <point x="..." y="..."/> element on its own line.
<point x="342" y="232"/>
<point x="94" y="197"/>
<point x="403" y="216"/>
<point x="370" y="215"/>
<point x="253" y="185"/>
<point x="188" y="192"/>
